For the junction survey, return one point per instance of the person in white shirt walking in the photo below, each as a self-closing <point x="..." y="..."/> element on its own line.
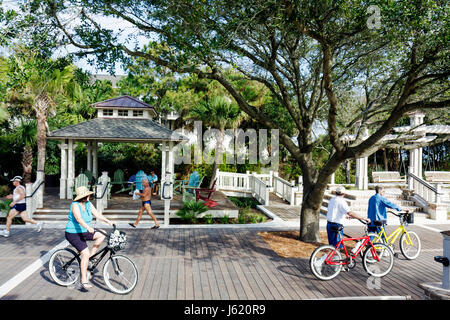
<point x="338" y="210"/>
<point x="18" y="206"/>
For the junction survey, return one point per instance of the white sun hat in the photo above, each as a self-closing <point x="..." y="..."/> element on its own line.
<point x="82" y="192"/>
<point x="340" y="190"/>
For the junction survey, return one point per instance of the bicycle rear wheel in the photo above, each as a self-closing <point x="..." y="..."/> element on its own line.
<point x="410" y="247"/>
<point x="319" y="268"/>
<point x="64" y="267"/>
<point x="381" y="266"/>
<point x="120" y="274"/>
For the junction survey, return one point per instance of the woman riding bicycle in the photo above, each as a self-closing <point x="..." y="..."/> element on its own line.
<point x="78" y="229"/>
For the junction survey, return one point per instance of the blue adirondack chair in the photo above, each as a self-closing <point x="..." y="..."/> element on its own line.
<point x="139" y="177"/>
<point x="188" y="189"/>
<point x="194" y="176"/>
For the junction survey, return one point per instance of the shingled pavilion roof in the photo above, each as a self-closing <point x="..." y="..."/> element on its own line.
<point x="117" y="130"/>
<point x="125" y="101"/>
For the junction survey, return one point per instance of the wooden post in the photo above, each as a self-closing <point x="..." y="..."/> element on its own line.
<point x="99" y="202"/>
<point x="63" y="179"/>
<point x="29" y="201"/>
<point x="70" y="170"/>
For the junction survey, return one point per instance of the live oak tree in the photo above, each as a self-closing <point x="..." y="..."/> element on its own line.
<point x="311" y="55"/>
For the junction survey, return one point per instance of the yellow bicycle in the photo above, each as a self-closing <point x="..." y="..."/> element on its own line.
<point x="410" y="243"/>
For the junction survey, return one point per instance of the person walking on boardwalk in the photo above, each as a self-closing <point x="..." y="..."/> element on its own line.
<point x="377" y="208"/>
<point x="145" y="195"/>
<point x="79" y="230"/>
<point x="338" y="209"/>
<point x="18" y="206"/>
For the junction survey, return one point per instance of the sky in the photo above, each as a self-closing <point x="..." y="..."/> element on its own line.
<point x="107" y="22"/>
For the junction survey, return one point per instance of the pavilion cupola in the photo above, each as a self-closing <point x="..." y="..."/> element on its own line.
<point x="125" y="107"/>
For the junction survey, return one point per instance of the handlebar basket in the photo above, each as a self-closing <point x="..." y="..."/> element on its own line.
<point x="409" y="218"/>
<point x="117" y="240"/>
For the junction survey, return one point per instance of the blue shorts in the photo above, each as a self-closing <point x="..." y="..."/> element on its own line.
<point x="334" y="236"/>
<point x="20" y="207"/>
<point x="145" y="202"/>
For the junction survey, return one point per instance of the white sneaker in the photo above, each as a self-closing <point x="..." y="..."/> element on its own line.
<point x="5" y="233"/>
<point x="39" y="226"/>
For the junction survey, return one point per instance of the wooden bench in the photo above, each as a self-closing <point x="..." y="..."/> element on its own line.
<point x="437" y="176"/>
<point x="387" y="177"/>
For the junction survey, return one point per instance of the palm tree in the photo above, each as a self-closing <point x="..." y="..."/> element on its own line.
<point x="39" y="82"/>
<point x="26" y="133"/>
<point x="219" y="113"/>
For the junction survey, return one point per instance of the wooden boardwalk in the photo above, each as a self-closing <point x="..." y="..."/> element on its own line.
<point x="214" y="264"/>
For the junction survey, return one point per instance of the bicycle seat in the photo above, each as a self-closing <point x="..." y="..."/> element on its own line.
<point x="379" y="223"/>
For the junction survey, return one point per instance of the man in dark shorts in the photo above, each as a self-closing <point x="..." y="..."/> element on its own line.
<point x="18" y="206"/>
<point x="145" y="195"/>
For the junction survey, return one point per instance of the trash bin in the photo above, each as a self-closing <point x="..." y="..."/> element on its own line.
<point x="444" y="259"/>
<point x="440" y="290"/>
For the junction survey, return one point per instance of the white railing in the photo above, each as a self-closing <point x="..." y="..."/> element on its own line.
<point x="259" y="185"/>
<point x="284" y="189"/>
<point x="266" y="177"/>
<point x="232" y="181"/>
<point x="260" y="191"/>
<point x="34" y="196"/>
<point x="425" y="190"/>
<point x="101" y="196"/>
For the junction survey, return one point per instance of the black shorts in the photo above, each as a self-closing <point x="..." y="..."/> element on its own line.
<point x="20" y="207"/>
<point x="78" y="240"/>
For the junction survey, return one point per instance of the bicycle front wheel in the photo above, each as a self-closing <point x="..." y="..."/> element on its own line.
<point x="64" y="267"/>
<point x="120" y="274"/>
<point x="378" y="260"/>
<point x="410" y="245"/>
<point x="374" y="238"/>
<point x="321" y="269"/>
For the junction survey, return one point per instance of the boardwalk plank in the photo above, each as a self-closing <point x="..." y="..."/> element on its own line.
<point x="219" y="264"/>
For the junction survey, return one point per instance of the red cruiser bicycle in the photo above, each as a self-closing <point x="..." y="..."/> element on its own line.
<point x="327" y="261"/>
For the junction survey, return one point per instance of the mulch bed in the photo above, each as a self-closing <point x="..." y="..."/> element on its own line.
<point x="286" y="244"/>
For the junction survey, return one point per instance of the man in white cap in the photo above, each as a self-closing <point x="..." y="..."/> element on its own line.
<point x="18" y="206"/>
<point x="338" y="209"/>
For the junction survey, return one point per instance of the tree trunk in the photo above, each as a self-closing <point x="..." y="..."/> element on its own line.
<point x="310" y="211"/>
<point x="42" y="106"/>
<point x="385" y="161"/>
<point x="395" y="161"/>
<point x="347" y="171"/>
<point x="218" y="156"/>
<point x="27" y="163"/>
<point x="314" y="190"/>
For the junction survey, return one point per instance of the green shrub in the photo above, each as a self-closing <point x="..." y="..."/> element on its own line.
<point x="246" y="215"/>
<point x="4" y="191"/>
<point x="208" y="218"/>
<point x="225" y="219"/>
<point x="243" y="202"/>
<point x="190" y="211"/>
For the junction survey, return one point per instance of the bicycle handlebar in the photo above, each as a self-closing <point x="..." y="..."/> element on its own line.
<point x="399" y="214"/>
<point x="104" y="233"/>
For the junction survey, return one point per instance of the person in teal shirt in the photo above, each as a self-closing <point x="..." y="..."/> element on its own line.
<point x="78" y="230"/>
<point x="377" y="208"/>
<point x="153" y="179"/>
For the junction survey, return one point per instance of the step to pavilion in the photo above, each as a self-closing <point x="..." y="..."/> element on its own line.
<point x="358" y="201"/>
<point x="59" y="216"/>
